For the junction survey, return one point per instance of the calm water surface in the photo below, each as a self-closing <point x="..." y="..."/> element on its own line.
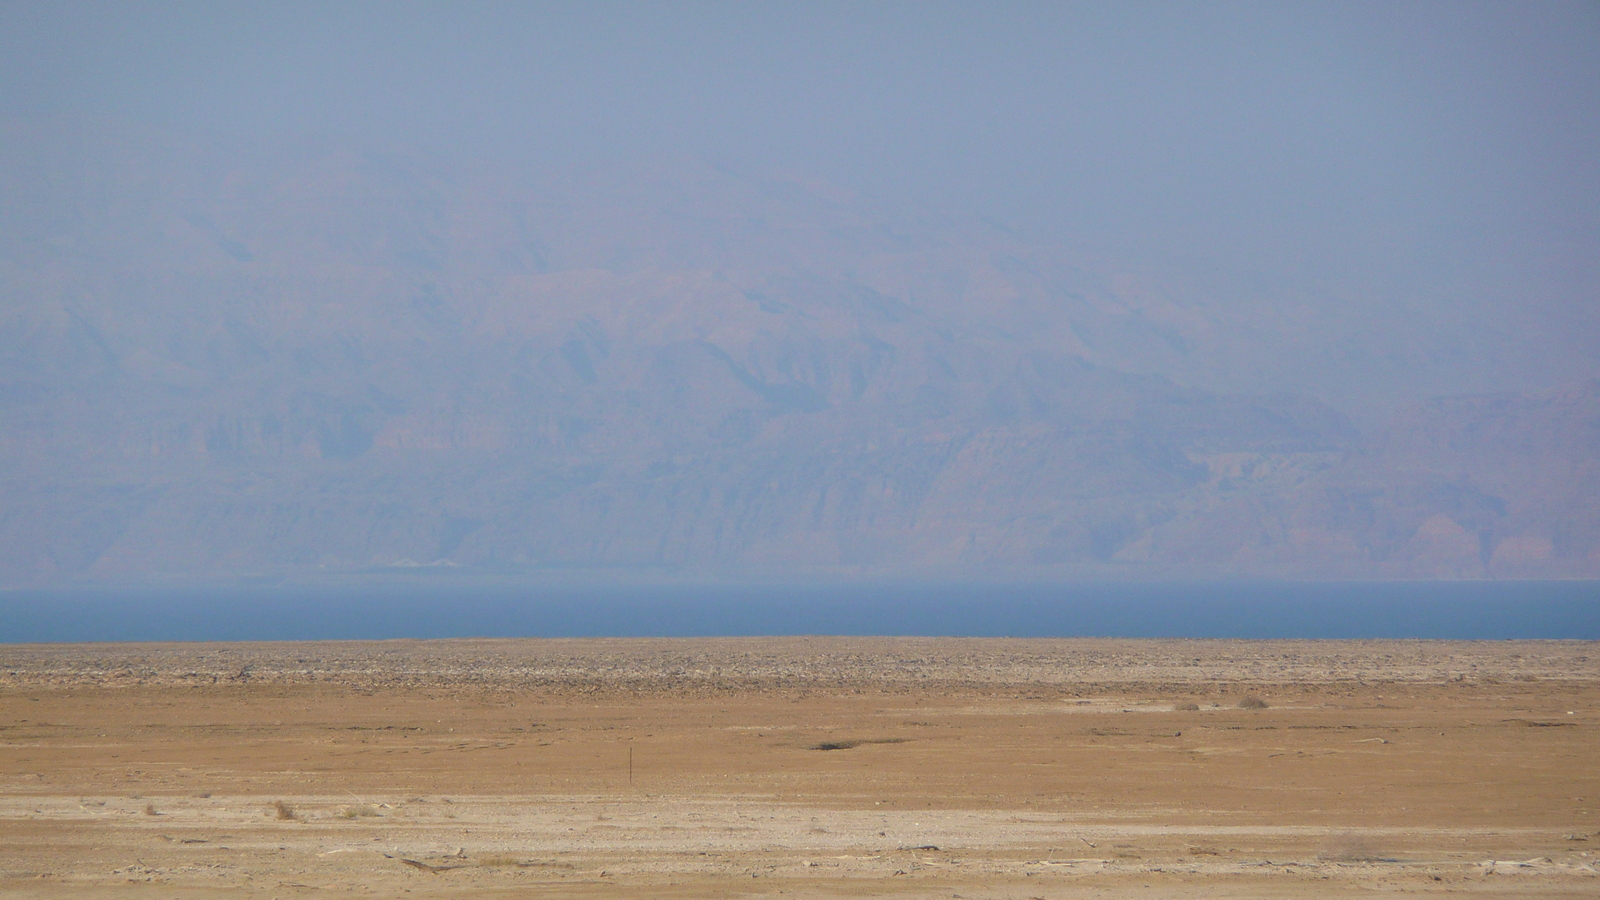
<point x="1461" y="610"/>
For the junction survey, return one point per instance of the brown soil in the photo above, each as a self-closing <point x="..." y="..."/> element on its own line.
<point x="812" y="767"/>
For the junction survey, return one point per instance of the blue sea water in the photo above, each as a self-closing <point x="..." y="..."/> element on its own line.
<point x="1458" y="610"/>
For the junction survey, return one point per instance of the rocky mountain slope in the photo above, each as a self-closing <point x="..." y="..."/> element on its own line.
<point x="300" y="361"/>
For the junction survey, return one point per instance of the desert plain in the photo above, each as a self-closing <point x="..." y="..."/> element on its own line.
<point x="805" y="767"/>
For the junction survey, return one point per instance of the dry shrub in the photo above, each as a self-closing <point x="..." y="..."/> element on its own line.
<point x="1186" y="707"/>
<point x="359" y="812"/>
<point x="1252" y="703"/>
<point x="851" y="745"/>
<point x="1348" y="848"/>
<point x="285" y="812"/>
<point x="499" y="860"/>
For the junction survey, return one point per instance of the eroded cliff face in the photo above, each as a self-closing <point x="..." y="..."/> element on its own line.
<point x="338" y="362"/>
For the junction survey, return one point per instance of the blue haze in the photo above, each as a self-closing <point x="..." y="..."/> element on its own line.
<point x="900" y="292"/>
<point x="1434" y="151"/>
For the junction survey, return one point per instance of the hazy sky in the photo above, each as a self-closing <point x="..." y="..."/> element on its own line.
<point x="1370" y="204"/>
<point x="1449" y="148"/>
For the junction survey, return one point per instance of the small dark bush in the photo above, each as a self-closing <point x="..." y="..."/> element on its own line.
<point x="849" y="745"/>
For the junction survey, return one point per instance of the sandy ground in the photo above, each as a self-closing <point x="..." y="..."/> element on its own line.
<point x="806" y="767"/>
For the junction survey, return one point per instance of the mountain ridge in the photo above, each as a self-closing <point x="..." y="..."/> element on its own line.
<point x="328" y="363"/>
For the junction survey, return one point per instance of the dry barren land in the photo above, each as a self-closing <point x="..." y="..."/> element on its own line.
<point x="807" y="767"/>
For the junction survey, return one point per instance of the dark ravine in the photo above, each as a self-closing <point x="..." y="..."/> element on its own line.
<point x="216" y="367"/>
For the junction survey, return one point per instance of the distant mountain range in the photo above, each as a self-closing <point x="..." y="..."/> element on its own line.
<point x="294" y="363"/>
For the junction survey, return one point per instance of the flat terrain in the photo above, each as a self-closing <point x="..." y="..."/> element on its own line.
<point x="808" y="767"/>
